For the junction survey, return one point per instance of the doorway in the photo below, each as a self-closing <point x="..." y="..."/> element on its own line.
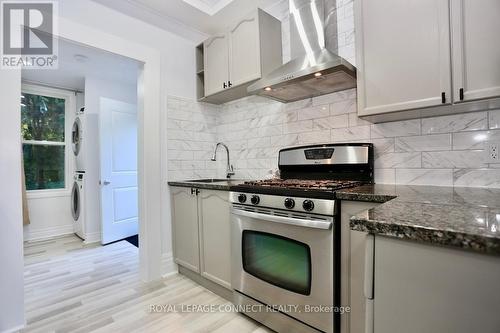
<point x="79" y="126"/>
<point x="151" y="191"/>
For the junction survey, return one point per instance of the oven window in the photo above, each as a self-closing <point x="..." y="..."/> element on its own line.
<point x="281" y="261"/>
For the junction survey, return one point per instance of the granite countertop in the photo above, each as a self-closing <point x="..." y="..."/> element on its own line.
<point x="466" y="218"/>
<point x="221" y="185"/>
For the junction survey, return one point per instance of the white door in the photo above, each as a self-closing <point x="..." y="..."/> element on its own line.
<point x="476" y="49"/>
<point x="216" y="64"/>
<point x="244" y="51"/>
<point x="119" y="192"/>
<point x="403" y="54"/>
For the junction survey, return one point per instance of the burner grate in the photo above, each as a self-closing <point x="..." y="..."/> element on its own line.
<point x="304" y="184"/>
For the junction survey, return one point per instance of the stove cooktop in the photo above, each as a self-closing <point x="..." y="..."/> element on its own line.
<point x="304" y="184"/>
<point x="317" y="171"/>
<point x="324" y="189"/>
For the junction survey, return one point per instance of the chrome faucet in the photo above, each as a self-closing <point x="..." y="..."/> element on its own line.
<point x="230" y="170"/>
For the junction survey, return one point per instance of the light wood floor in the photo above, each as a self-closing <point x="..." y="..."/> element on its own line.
<point x="72" y="288"/>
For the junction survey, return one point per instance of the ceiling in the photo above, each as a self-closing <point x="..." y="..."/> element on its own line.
<point x="191" y="19"/>
<point x="72" y="70"/>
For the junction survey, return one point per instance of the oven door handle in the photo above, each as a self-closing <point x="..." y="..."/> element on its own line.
<point x="314" y="224"/>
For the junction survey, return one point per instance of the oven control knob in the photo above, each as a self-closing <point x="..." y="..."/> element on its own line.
<point x="255" y="200"/>
<point x="308" y="205"/>
<point x="242" y="198"/>
<point x="289" y="203"/>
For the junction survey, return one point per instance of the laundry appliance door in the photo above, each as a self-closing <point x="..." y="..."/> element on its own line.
<point x="75" y="201"/>
<point x="76" y="136"/>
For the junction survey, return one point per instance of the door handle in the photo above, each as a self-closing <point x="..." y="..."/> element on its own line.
<point x="105" y="183"/>
<point x="368" y="283"/>
<point x="314" y="224"/>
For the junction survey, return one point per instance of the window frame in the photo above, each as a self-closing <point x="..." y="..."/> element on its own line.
<point x="69" y="118"/>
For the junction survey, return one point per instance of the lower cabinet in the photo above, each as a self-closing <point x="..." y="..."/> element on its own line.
<point x="215" y="236"/>
<point x="185" y="228"/>
<point x="424" y="288"/>
<point x="202" y="232"/>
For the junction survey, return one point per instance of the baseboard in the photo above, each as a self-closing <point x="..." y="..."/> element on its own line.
<point x="168" y="266"/>
<point x="46" y="233"/>
<point x="92" y="237"/>
<point x="206" y="283"/>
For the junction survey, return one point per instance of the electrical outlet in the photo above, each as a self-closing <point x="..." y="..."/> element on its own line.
<point x="493" y="153"/>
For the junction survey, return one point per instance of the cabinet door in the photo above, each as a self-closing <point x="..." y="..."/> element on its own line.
<point x="215" y="237"/>
<point x="216" y="64"/>
<point x="424" y="288"/>
<point x="476" y="50"/>
<point x="403" y="54"/>
<point x="244" y="51"/>
<point x="185" y="228"/>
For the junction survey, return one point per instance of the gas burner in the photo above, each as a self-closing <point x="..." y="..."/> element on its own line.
<point x="329" y="185"/>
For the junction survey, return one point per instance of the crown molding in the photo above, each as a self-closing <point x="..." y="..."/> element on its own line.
<point x="149" y="15"/>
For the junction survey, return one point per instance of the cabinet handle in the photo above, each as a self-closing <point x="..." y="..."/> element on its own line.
<point x="229" y="84"/>
<point x="443" y="97"/>
<point x="224" y="85"/>
<point x="461" y="93"/>
<point x="193" y="191"/>
<point x="197" y="191"/>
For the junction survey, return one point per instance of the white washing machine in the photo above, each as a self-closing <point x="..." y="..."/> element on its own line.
<point x="78" y="140"/>
<point x="78" y="204"/>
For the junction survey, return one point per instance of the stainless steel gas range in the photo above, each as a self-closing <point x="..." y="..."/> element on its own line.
<point x="285" y="237"/>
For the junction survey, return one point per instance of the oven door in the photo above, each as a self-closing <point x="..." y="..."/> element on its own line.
<point x="285" y="260"/>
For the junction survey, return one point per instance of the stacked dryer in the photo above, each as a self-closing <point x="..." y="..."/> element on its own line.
<point x="78" y="192"/>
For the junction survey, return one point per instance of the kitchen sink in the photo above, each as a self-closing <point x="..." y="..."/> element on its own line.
<point x="211" y="180"/>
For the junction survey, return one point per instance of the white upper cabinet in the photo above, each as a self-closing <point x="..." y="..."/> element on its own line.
<point x="250" y="48"/>
<point x="216" y="64"/>
<point x="476" y="49"/>
<point x="244" y="53"/>
<point x="402" y="54"/>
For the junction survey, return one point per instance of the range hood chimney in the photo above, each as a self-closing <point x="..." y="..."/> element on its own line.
<point x="315" y="68"/>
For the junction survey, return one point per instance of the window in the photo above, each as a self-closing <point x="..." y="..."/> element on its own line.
<point x="44" y="126"/>
<point x="280" y="261"/>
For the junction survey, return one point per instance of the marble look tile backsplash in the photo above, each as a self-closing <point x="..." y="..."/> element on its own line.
<point x="443" y="151"/>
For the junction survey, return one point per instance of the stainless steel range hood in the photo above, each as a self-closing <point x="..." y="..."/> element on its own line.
<point x="315" y="68"/>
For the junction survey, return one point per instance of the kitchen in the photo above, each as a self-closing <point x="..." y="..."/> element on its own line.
<point x="329" y="153"/>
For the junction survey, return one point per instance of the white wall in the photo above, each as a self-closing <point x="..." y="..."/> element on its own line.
<point x="95" y="89"/>
<point x="11" y="221"/>
<point x="49" y="217"/>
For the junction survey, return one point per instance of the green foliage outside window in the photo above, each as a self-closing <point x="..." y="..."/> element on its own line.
<point x="43" y="119"/>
